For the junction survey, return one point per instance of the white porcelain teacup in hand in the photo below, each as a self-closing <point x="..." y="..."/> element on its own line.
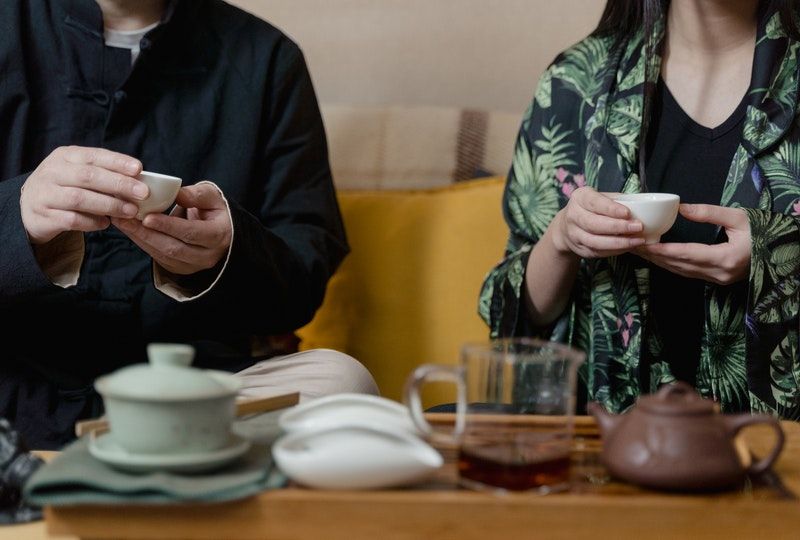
<point x="656" y="211"/>
<point x="163" y="190"/>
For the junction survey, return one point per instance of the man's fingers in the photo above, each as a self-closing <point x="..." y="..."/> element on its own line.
<point x="204" y="196"/>
<point x="195" y="232"/>
<point x="104" y="181"/>
<point x="90" y="202"/>
<point x="730" y="218"/>
<point x="100" y="157"/>
<point x="160" y="246"/>
<point x="76" y="221"/>
<point x="170" y="265"/>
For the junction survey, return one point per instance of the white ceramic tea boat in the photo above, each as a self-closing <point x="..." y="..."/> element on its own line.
<point x="347" y="410"/>
<point x="355" y="457"/>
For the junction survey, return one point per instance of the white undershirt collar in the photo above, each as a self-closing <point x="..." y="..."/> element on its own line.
<point x="127" y="39"/>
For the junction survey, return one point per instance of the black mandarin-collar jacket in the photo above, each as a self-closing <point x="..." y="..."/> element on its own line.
<point x="216" y="94"/>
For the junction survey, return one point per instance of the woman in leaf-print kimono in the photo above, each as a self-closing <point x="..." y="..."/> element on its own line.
<point x="575" y="268"/>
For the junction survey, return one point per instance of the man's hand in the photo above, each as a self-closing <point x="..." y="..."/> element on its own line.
<point x="722" y="264"/>
<point x="185" y="245"/>
<point x="78" y="189"/>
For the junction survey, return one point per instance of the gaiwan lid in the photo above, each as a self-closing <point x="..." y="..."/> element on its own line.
<point x="167" y="377"/>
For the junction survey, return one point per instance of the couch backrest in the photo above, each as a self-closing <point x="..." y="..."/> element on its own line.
<point x="396" y="147"/>
<point x="408" y="292"/>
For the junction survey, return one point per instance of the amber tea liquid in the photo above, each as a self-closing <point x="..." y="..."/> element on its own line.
<point x="510" y="467"/>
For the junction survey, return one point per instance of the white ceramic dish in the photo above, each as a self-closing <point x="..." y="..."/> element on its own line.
<point x="656" y="211"/>
<point x="163" y="190"/>
<point x="355" y="457"/>
<point x="347" y="409"/>
<point x="107" y="450"/>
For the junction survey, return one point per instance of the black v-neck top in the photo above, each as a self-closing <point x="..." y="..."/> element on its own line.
<point x="691" y="160"/>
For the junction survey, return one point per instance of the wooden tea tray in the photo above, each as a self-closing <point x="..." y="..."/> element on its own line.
<point x="440" y="510"/>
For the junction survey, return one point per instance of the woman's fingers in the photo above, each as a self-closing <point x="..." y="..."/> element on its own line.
<point x="729" y="218"/>
<point x="602" y="243"/>
<point x="604" y="225"/>
<point x="592" y="225"/>
<point x="597" y="203"/>
<point x="701" y="255"/>
<point x="687" y="270"/>
<point x="717" y="263"/>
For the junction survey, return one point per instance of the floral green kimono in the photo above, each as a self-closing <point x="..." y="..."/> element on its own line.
<point x="583" y="128"/>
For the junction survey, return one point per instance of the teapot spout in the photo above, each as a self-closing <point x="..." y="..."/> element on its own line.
<point x="606" y="421"/>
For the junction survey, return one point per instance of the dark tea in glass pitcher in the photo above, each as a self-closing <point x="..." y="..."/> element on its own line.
<point x="518" y="461"/>
<point x="514" y="413"/>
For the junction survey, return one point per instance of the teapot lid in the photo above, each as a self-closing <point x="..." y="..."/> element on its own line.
<point x="168" y="377"/>
<point x="676" y="399"/>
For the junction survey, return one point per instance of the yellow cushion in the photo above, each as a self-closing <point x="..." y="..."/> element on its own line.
<point x="408" y="292"/>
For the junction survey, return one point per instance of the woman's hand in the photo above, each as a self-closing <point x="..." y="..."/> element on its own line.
<point x="185" y="245"/>
<point x="722" y="264"/>
<point x="594" y="226"/>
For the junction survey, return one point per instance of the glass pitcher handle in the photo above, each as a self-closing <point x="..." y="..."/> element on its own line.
<point x="435" y="372"/>
<point x="736" y="423"/>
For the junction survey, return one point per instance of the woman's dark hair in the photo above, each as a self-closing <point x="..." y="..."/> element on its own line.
<point x="623" y="18"/>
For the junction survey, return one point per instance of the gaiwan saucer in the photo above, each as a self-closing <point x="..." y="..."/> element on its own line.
<point x="106" y="449"/>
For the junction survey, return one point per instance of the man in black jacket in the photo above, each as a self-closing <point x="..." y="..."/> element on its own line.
<point x="91" y="93"/>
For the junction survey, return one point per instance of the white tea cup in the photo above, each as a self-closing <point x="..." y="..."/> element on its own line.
<point x="163" y="190"/>
<point x="656" y="211"/>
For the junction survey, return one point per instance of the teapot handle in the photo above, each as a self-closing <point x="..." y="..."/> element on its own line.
<point x="736" y="423"/>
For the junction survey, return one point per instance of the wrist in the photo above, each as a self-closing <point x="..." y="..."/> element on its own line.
<point x="34" y="239"/>
<point x="556" y="238"/>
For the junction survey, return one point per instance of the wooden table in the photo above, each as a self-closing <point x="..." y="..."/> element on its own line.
<point x="439" y="510"/>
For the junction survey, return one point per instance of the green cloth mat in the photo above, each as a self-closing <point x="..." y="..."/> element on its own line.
<point x="76" y="477"/>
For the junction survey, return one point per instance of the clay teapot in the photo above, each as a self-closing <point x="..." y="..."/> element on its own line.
<point x="676" y="440"/>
